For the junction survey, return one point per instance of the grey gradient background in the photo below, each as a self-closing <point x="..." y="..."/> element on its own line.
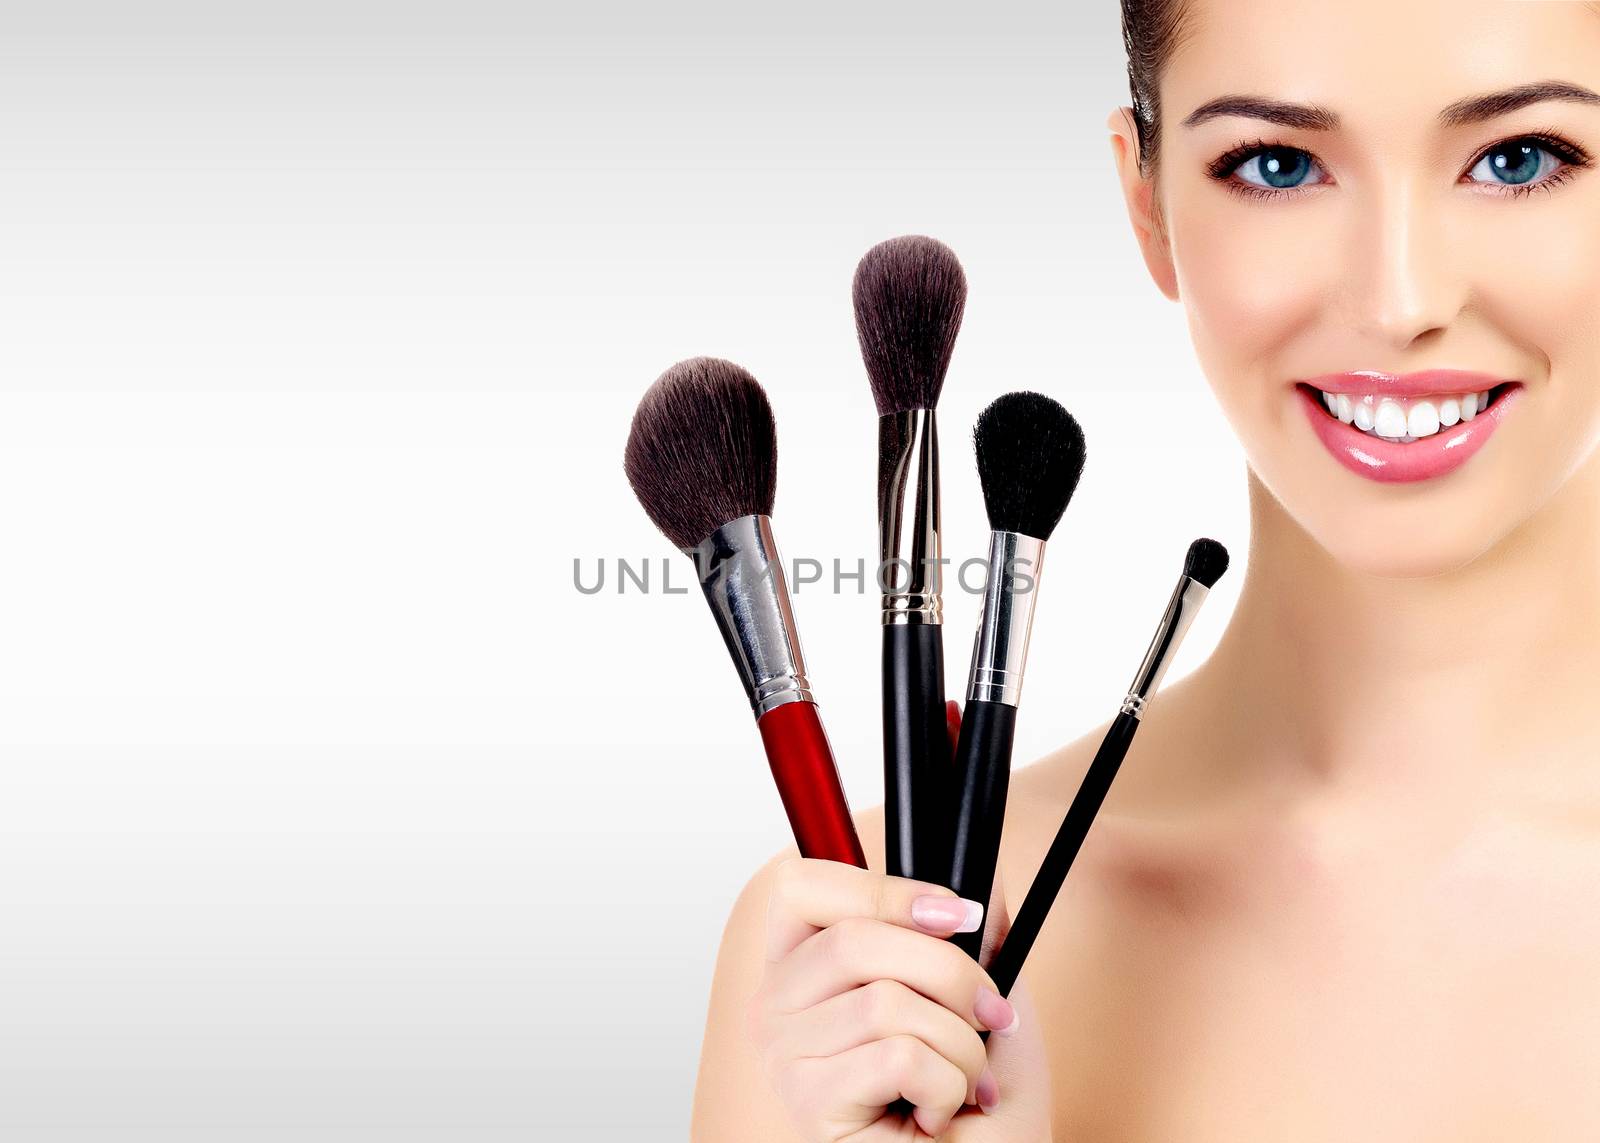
<point x="329" y="809"/>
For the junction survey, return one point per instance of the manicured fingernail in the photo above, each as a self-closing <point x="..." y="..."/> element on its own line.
<point x="988" y="1091"/>
<point x="995" y="1012"/>
<point x="947" y="914"/>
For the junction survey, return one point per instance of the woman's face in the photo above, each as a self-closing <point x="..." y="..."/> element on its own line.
<point x="1388" y="211"/>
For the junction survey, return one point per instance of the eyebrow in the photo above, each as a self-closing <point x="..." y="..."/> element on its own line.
<point x="1304" y="116"/>
<point x="1477" y="108"/>
<point x="1473" y="109"/>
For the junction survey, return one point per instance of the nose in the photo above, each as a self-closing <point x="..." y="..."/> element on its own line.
<point x="1407" y="282"/>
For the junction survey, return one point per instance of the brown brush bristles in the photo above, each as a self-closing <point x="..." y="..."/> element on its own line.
<point x="909" y="296"/>
<point x="703" y="449"/>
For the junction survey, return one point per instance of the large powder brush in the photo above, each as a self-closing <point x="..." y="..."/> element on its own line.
<point x="909" y="294"/>
<point x="702" y="457"/>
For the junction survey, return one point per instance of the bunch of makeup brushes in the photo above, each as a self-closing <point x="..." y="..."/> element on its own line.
<point x="702" y="459"/>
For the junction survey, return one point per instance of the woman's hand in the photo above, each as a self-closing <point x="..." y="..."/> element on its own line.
<point x="1018" y="1062"/>
<point x="864" y="1002"/>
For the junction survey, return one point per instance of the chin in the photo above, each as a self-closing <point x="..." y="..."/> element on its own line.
<point x="1398" y="555"/>
<point x="1399" y="532"/>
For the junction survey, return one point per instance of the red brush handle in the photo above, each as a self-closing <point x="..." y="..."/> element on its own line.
<point x="808" y="782"/>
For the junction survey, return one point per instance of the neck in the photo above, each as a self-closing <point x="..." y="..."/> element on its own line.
<point x="1465" y="678"/>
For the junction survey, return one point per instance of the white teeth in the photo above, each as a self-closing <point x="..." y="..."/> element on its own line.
<point x="1390" y="420"/>
<point x="1422" y="420"/>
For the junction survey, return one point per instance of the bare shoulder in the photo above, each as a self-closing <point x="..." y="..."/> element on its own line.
<point x="1171" y="785"/>
<point x="1152" y="872"/>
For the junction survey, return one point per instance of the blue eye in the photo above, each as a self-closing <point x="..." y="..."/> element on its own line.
<point x="1279" y="168"/>
<point x="1266" y="170"/>
<point x="1515" y="165"/>
<point x="1516" y="162"/>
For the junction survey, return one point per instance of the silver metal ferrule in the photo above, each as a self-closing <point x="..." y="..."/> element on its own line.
<point x="1001" y="649"/>
<point x="742" y="577"/>
<point x="1181" y="610"/>
<point x="908" y="518"/>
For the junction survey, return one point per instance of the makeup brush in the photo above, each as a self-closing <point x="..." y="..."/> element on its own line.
<point x="909" y="294"/>
<point x="1206" y="562"/>
<point x="1030" y="456"/>
<point x="702" y="457"/>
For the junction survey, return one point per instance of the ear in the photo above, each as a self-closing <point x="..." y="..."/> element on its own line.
<point x="1139" y="192"/>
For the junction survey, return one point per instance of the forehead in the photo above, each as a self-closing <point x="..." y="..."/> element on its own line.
<point x="1377" y="59"/>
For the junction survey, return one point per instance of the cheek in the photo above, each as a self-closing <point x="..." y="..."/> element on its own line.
<point x="1537" y="285"/>
<point x="1246" y="279"/>
<point x="1539" y="280"/>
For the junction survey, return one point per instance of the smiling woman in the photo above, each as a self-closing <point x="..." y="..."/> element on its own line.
<point x="1346" y="882"/>
<point x="1443" y="227"/>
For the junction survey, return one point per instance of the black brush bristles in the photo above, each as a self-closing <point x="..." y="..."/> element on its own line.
<point x="703" y="449"/>
<point x="1206" y="562"/>
<point x="1030" y="456"/>
<point x="909" y="296"/>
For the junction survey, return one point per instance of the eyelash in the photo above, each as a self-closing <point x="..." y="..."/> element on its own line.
<point x="1573" y="157"/>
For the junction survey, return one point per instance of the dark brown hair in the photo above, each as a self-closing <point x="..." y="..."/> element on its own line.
<point x="1151" y="30"/>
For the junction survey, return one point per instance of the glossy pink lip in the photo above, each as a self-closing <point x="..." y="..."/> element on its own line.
<point x="1389" y="462"/>
<point x="1424" y="383"/>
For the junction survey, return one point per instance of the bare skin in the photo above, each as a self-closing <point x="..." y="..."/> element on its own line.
<point x="1346" y="884"/>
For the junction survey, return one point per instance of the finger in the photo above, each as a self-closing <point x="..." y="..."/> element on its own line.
<point x="952" y="724"/>
<point x="867" y="1079"/>
<point x="809" y="894"/>
<point x="1017" y="1065"/>
<point x="857" y="951"/>
<point x="877" y="1011"/>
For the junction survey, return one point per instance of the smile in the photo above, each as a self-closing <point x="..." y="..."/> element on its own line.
<point x="1402" y="428"/>
<point x="1404" y="419"/>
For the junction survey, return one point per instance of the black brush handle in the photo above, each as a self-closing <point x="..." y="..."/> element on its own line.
<point x="918" y="784"/>
<point x="1058" y="860"/>
<point x="983" y="768"/>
